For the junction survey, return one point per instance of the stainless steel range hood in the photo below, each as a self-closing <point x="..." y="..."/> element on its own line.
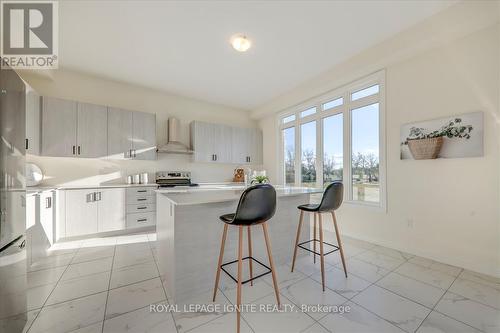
<point x="174" y="146"/>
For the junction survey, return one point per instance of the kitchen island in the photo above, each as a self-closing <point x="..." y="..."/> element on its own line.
<point x="189" y="234"/>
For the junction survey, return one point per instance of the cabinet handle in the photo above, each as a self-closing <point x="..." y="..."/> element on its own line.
<point x="141" y="191"/>
<point x="99" y="196"/>
<point x="48" y="202"/>
<point x="27" y="144"/>
<point x="215" y="157"/>
<point x="142" y="199"/>
<point x="135" y="153"/>
<point x="142" y="220"/>
<point x="142" y="207"/>
<point x="74" y="150"/>
<point x="79" y="150"/>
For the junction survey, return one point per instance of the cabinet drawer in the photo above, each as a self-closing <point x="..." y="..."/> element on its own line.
<point x="140" y="199"/>
<point x="141" y="219"/>
<point x="140" y="191"/>
<point x="141" y="208"/>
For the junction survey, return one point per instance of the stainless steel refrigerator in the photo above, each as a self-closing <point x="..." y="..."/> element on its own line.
<point x="13" y="292"/>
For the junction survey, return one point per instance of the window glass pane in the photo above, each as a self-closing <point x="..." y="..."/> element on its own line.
<point x="365" y="92"/>
<point x="333" y="104"/>
<point x="289" y="155"/>
<point x="333" y="160"/>
<point x="288" y="119"/>
<point x="365" y="153"/>
<point x="308" y="112"/>
<point x="308" y="148"/>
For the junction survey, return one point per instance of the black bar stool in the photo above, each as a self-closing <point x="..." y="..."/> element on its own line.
<point x="331" y="201"/>
<point x="256" y="206"/>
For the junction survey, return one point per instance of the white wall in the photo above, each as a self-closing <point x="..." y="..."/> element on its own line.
<point x="452" y="203"/>
<point x="91" y="89"/>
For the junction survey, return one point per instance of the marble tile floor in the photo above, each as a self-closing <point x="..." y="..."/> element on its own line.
<point x="107" y="285"/>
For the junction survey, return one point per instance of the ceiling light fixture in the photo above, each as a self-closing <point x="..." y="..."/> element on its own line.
<point x="240" y="43"/>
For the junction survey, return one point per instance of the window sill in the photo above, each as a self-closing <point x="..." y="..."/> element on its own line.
<point x="375" y="206"/>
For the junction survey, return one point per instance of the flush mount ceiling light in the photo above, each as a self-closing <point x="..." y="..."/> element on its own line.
<point x="240" y="43"/>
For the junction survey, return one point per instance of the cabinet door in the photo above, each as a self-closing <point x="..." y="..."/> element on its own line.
<point x="92" y="133"/>
<point x="81" y="213"/>
<point x="47" y="216"/>
<point x="144" y="136"/>
<point x="203" y="141"/>
<point x="256" y="146"/>
<point x="32" y="121"/>
<point x="223" y="143"/>
<point x="111" y="209"/>
<point x="119" y="133"/>
<point x="59" y="118"/>
<point x="240" y="145"/>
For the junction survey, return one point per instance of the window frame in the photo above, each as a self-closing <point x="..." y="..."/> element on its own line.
<point x="348" y="105"/>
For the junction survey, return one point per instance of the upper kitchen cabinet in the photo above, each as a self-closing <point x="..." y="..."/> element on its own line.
<point x="59" y="125"/>
<point x="72" y="129"/>
<point x="131" y="135"/>
<point x="211" y="142"/>
<point x="144" y="136"/>
<point x="92" y="131"/>
<point x="247" y="145"/>
<point x="120" y="132"/>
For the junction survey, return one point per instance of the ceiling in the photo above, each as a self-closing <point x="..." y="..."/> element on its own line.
<point x="183" y="46"/>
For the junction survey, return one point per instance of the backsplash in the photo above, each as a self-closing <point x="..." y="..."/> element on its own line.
<point x="81" y="171"/>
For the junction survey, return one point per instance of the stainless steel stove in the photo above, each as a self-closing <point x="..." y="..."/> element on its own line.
<point x="174" y="179"/>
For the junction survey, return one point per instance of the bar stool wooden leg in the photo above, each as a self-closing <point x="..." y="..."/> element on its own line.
<point x="240" y="266"/>
<point x="314" y="239"/>
<point x="339" y="242"/>
<point x="221" y="256"/>
<point x="297" y="238"/>
<point x="322" y="257"/>
<point x="271" y="263"/>
<point x="250" y="254"/>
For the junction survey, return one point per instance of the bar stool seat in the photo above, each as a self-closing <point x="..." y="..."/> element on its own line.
<point x="331" y="201"/>
<point x="257" y="205"/>
<point x="309" y="207"/>
<point x="227" y="218"/>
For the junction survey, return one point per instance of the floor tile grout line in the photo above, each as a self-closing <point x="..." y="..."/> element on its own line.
<point x="50" y="294"/>
<point x="161" y="280"/>
<point x="387" y="321"/>
<point x="439" y="300"/>
<point x="448" y="316"/>
<point x="107" y="294"/>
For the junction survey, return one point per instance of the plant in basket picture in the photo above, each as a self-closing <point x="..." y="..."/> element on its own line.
<point x="451" y="137"/>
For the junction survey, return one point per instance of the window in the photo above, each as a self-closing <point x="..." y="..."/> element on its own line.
<point x="345" y="141"/>
<point x="364" y="92"/>
<point x="308" y="149"/>
<point x="288" y="119"/>
<point x="333" y="149"/>
<point x="333" y="104"/>
<point x="308" y="112"/>
<point x="365" y="153"/>
<point x="289" y="155"/>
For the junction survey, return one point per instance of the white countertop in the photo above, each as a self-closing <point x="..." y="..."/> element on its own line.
<point x="204" y="194"/>
<point x="83" y="187"/>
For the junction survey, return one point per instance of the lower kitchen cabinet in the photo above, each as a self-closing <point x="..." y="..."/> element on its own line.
<point x="81" y="212"/>
<point x="110" y="209"/>
<point x="40" y="226"/>
<point x="96" y="210"/>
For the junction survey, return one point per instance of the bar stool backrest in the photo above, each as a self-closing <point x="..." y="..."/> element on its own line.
<point x="332" y="197"/>
<point x="257" y="204"/>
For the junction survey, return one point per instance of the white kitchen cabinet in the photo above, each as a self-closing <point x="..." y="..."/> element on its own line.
<point x="111" y="209"/>
<point x="81" y="212"/>
<point x="120" y="133"/>
<point x="211" y="142"/>
<point x="241" y="142"/>
<point x="131" y="135"/>
<point x="203" y="141"/>
<point x="59" y="124"/>
<point x="255" y="149"/>
<point x="32" y="121"/>
<point x="92" y="132"/>
<point x="144" y="136"/>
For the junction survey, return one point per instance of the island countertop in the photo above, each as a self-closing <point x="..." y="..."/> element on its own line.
<point x="223" y="193"/>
